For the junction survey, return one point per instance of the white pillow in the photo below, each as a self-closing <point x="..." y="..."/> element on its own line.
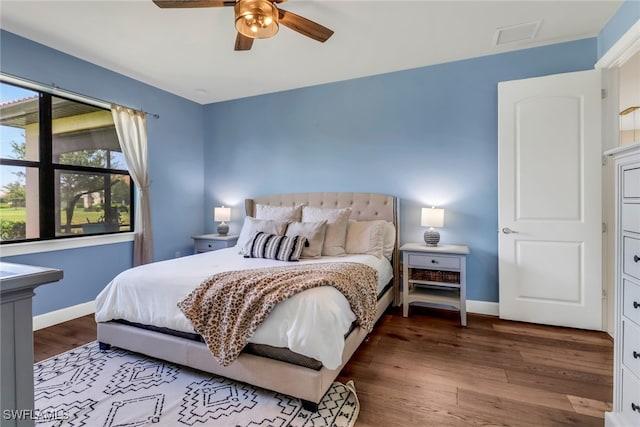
<point x="365" y="237"/>
<point x="279" y="213"/>
<point x="313" y="231"/>
<point x="253" y="226"/>
<point x="336" y="234"/>
<point x="389" y="240"/>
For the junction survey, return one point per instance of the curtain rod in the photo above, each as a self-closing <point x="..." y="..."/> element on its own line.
<point x="55" y="89"/>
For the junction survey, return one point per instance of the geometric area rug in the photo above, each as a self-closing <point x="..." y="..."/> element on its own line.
<point x="119" y="388"/>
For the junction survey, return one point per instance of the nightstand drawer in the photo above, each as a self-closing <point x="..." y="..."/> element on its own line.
<point x="434" y="261"/>
<point x="209" y="245"/>
<point x="631" y="257"/>
<point x="213" y="242"/>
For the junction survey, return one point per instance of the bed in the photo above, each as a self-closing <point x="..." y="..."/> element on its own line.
<point x="304" y="373"/>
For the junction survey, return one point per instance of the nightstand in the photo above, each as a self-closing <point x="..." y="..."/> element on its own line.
<point x="435" y="275"/>
<point x="213" y="242"/>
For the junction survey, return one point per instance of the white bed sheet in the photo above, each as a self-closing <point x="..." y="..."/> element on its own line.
<point x="312" y="323"/>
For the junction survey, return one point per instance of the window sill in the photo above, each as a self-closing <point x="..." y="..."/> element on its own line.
<point x="62" y="244"/>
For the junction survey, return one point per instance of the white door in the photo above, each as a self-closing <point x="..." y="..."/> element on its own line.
<point x="549" y="215"/>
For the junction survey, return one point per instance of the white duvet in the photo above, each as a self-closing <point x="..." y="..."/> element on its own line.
<point x="312" y="323"/>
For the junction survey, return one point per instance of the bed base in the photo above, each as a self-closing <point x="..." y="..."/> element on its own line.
<point x="306" y="384"/>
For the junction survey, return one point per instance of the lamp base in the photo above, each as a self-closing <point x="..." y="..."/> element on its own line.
<point x="223" y="229"/>
<point x="431" y="237"/>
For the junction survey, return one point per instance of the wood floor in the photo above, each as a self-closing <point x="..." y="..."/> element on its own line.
<point x="426" y="370"/>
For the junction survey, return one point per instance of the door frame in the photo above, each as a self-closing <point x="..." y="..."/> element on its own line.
<point x="609" y="64"/>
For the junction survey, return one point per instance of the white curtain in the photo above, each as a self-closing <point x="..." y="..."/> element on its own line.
<point x="131" y="127"/>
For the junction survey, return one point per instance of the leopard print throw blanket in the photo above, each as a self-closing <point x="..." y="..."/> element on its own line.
<point x="227" y="308"/>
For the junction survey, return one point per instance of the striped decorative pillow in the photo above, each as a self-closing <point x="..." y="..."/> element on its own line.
<point x="272" y="246"/>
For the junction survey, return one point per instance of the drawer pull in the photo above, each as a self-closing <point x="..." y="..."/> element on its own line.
<point x="636" y="355"/>
<point x="433" y="261"/>
<point x="635" y="304"/>
<point x="636" y="258"/>
<point x="635" y="407"/>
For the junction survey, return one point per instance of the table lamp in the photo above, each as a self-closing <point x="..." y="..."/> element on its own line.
<point x="432" y="217"/>
<point x="222" y="214"/>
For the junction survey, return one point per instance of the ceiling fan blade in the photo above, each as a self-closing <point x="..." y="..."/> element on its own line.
<point x="304" y="26"/>
<point x="243" y="42"/>
<point x="179" y="4"/>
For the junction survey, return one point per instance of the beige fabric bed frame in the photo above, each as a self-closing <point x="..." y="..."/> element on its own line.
<point x="306" y="384"/>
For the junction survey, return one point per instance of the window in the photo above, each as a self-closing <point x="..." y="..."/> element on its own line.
<point x="62" y="172"/>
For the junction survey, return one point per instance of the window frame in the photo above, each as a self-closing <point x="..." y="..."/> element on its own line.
<point x="47" y="169"/>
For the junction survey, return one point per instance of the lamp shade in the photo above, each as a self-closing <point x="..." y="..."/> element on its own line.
<point x="432" y="217"/>
<point x="222" y="214"/>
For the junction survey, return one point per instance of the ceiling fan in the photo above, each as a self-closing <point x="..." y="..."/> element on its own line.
<point x="256" y="19"/>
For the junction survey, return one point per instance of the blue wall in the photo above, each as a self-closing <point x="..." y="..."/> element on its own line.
<point x="428" y="136"/>
<point x="86" y="271"/>
<point x="622" y="20"/>
<point x="175" y="160"/>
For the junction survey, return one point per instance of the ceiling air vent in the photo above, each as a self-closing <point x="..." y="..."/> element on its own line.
<point x="516" y="33"/>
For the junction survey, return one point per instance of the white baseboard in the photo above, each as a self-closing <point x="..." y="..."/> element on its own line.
<point x="63" y="315"/>
<point x="483" y="307"/>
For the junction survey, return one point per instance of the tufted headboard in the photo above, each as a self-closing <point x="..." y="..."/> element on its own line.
<point x="364" y="207"/>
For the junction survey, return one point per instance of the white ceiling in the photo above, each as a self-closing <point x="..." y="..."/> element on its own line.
<point x="189" y="52"/>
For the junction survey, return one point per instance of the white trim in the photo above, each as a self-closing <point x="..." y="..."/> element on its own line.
<point x="610" y="108"/>
<point x="63" y="315"/>
<point x="614" y="419"/>
<point x="25" y="248"/>
<point x="623" y="49"/>
<point x="483" y="307"/>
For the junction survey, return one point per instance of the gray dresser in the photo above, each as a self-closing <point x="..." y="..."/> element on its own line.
<point x="17" y="283"/>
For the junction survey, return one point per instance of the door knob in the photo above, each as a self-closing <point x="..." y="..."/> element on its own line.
<point x="507" y="230"/>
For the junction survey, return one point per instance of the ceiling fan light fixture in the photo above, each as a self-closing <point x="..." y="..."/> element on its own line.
<point x="257" y="19"/>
